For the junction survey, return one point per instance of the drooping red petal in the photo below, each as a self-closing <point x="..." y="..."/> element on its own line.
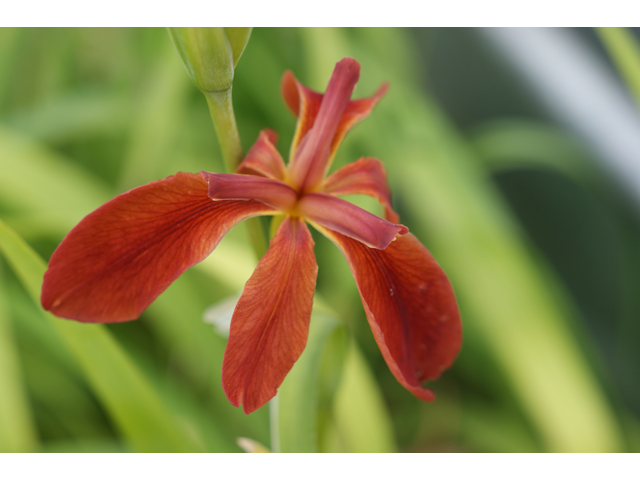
<point x="410" y="306"/>
<point x="308" y="164"/>
<point x="348" y="219"/>
<point x="366" y="176"/>
<point x="263" y="159"/>
<point x="231" y="186"/>
<point x="119" y="258"/>
<point x="270" y="324"/>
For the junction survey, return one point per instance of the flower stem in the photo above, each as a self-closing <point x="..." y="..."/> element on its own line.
<point x="224" y="121"/>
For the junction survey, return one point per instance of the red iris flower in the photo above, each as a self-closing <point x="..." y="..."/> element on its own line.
<point x="118" y="259"/>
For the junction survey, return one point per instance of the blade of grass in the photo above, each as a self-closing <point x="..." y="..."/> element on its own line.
<point x="138" y="412"/>
<point x="17" y="431"/>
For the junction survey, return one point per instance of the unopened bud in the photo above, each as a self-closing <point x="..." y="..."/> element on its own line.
<point x="210" y="54"/>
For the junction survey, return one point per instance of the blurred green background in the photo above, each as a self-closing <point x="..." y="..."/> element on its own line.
<point x="514" y="156"/>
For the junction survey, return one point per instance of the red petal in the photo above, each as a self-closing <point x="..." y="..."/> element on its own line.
<point x="118" y="259"/>
<point x="263" y="159"/>
<point x="303" y="102"/>
<point x="309" y="162"/>
<point x="365" y="176"/>
<point x="348" y="219"/>
<point x="270" y="324"/>
<point x="356" y="111"/>
<point x="231" y="186"/>
<point x="410" y="306"/>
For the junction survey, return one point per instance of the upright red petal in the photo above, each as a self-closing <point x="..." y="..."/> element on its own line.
<point x="119" y="258"/>
<point x="303" y="102"/>
<point x="344" y="217"/>
<point x="366" y="176"/>
<point x="309" y="162"/>
<point x="410" y="306"/>
<point x="263" y="158"/>
<point x="270" y="324"/>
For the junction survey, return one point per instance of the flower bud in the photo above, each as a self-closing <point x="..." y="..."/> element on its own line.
<point x="210" y="54"/>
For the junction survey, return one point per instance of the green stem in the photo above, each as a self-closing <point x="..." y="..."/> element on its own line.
<point x="224" y="121"/>
<point x="257" y="236"/>
<point x="275" y="424"/>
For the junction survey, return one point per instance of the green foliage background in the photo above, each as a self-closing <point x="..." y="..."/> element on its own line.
<point x="542" y="251"/>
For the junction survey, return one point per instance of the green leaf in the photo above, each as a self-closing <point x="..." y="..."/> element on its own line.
<point x="17" y="431"/>
<point x="135" y="408"/>
<point x="361" y="420"/>
<point x="297" y="400"/>
<point x="625" y="52"/>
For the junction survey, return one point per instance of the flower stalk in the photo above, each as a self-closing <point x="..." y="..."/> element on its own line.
<point x="224" y="121"/>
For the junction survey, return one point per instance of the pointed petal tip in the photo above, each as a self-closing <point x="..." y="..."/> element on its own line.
<point x="422" y="393"/>
<point x="289" y="87"/>
<point x="382" y="90"/>
<point x="271" y="135"/>
<point x="263" y="158"/>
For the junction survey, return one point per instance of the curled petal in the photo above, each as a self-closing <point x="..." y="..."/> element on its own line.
<point x="410" y="306"/>
<point x="366" y="176"/>
<point x="356" y="111"/>
<point x="348" y="219"/>
<point x="263" y="159"/>
<point x="231" y="186"/>
<point x="303" y="102"/>
<point x="119" y="258"/>
<point x="270" y="324"/>
<point x="310" y="160"/>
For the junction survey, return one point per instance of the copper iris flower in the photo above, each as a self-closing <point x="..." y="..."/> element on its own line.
<point x="119" y="258"/>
